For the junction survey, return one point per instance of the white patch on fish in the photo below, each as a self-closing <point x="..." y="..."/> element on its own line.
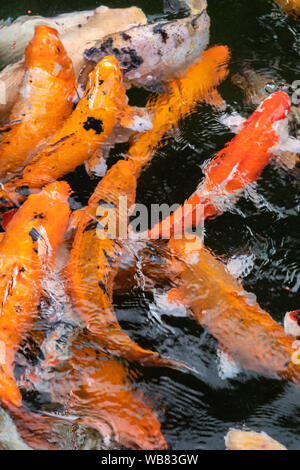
<point x="156" y="53"/>
<point x="227" y="367"/>
<point x="292" y="323"/>
<point x="235" y="122"/>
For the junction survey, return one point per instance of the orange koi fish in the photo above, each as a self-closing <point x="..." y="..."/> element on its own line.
<point x="237" y="439"/>
<point x="94" y="118"/>
<point x="198" y="84"/>
<point x="94" y="262"/>
<point x="220" y="304"/>
<point x="291" y="6"/>
<point x="239" y="164"/>
<point x="93" y="302"/>
<point x="103" y="398"/>
<point x="27" y="248"/>
<point x="45" y="100"/>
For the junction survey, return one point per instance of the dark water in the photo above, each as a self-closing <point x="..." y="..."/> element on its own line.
<point x="196" y="411"/>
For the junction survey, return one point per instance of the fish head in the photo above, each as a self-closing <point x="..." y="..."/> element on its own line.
<point x="274" y="108"/>
<point x="47" y="52"/>
<point x="106" y="82"/>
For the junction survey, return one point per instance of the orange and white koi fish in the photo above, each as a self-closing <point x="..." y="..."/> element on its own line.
<point x="239" y="164"/>
<point x="291" y="6"/>
<point x="27" y="248"/>
<point x="102" y="22"/>
<point x="237" y="439"/>
<point x="44" y="101"/>
<point x="90" y="124"/>
<point x="257" y="86"/>
<point x="220" y="304"/>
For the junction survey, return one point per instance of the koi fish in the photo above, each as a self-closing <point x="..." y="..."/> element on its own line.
<point x="44" y="101"/>
<point x="87" y="128"/>
<point x="27" y="248"/>
<point x="104" y="21"/>
<point x="232" y="168"/>
<point x="178" y="103"/>
<point x="291" y="6"/>
<point x="90" y="277"/>
<point x="247" y="332"/>
<point x="257" y="87"/>
<point x="168" y="109"/>
<point x="17" y="34"/>
<point x="237" y="439"/>
<point x="152" y="54"/>
<point x="96" y="390"/>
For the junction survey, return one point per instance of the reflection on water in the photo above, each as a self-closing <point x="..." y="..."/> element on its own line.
<point x="258" y="239"/>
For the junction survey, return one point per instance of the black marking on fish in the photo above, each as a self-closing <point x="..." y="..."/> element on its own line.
<point x="94" y="124"/>
<point x="194" y="22"/>
<point x="126" y="37"/>
<point x="103" y="287"/>
<point x="106" y="45"/>
<point x="39" y="216"/>
<point x="159" y="29"/>
<point x="88" y="53"/>
<point x="101" y="82"/>
<point x="22" y="270"/>
<point x="23" y="190"/>
<point x="91" y="225"/>
<point x="35" y="235"/>
<point x="128" y="57"/>
<point x="135" y="59"/>
<point x="109" y="258"/>
<point x="66" y="137"/>
<point x="18" y="309"/>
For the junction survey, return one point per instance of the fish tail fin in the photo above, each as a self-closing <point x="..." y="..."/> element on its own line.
<point x="168" y="363"/>
<point x="118" y="343"/>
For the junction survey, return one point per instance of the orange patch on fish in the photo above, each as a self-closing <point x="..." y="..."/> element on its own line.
<point x="88" y="127"/>
<point x="44" y="101"/>
<point x="240" y="163"/>
<point x="26" y="251"/>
